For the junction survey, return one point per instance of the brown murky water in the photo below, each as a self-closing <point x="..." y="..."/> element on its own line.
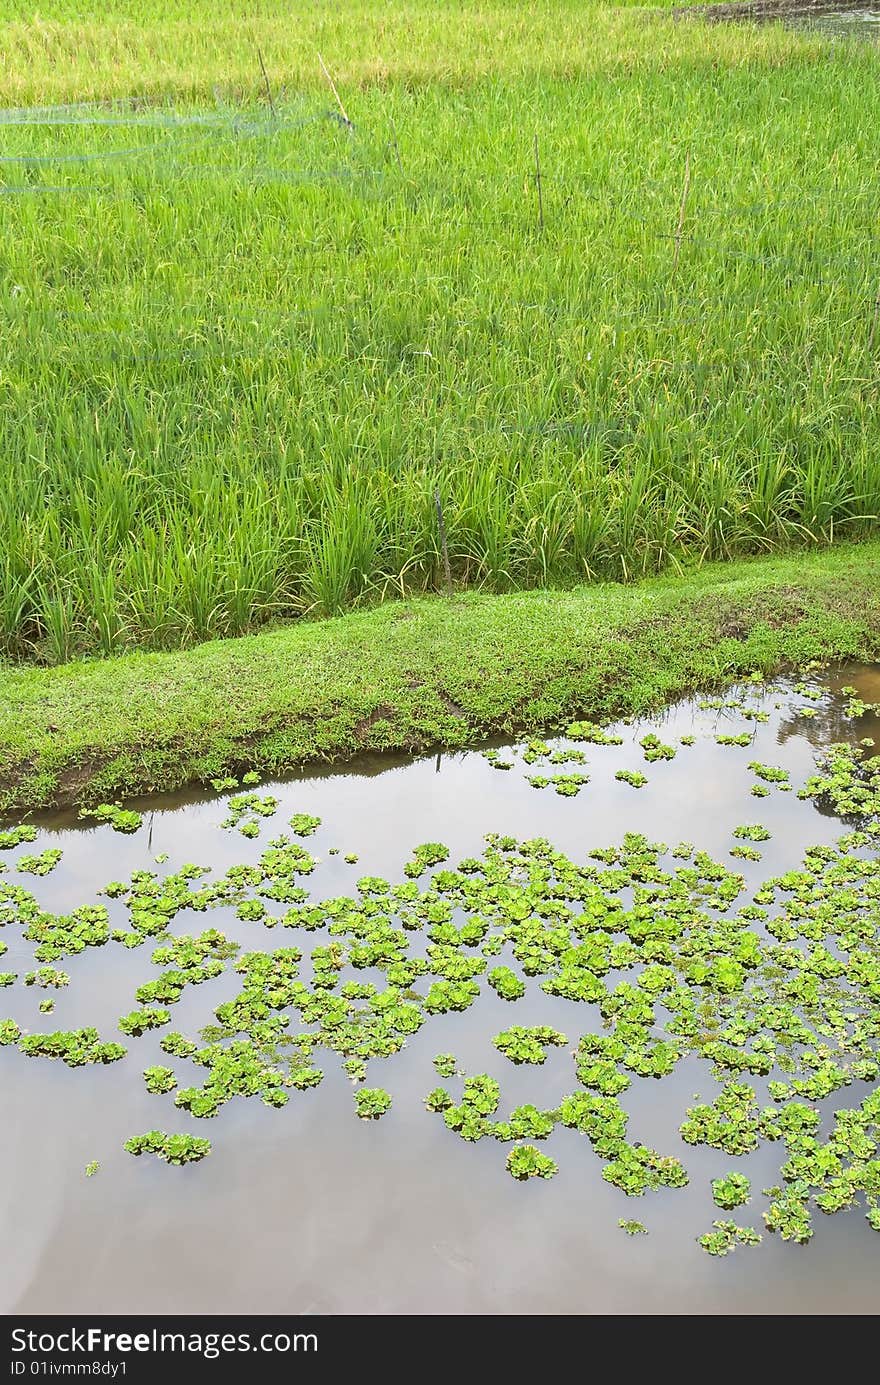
<point x="308" y="1210"/>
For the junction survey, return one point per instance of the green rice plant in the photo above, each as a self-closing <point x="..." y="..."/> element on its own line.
<point x="243" y="349"/>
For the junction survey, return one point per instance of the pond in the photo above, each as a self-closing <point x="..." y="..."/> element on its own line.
<point x="305" y="1208"/>
<point x="838" y="23"/>
<point x="845" y="20"/>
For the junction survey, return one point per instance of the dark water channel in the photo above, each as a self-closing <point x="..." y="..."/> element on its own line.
<point x="309" y="1210"/>
<point x="861" y="24"/>
<point x="844" y="20"/>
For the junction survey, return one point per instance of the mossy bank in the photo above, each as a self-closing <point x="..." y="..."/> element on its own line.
<point x="419" y="674"/>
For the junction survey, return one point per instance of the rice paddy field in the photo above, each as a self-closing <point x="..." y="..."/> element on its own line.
<point x="547" y="336"/>
<point x="279" y="279"/>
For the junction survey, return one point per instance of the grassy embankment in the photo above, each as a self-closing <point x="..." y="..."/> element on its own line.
<point x="239" y="355"/>
<point x="420" y="673"/>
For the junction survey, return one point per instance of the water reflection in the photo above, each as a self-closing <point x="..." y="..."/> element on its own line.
<point x="835" y="22"/>
<point x="307" y="1209"/>
<point x="848" y="19"/>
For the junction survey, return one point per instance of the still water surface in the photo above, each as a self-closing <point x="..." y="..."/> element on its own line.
<point x="860" y="24"/>
<point x="308" y="1210"/>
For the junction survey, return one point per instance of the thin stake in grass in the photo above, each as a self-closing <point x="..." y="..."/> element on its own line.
<point x="444" y="547"/>
<point x="682" y="210"/>
<point x="538" y="185"/>
<point x="873" y="332"/>
<point x="396" y="147"/>
<point x="335" y="92"/>
<point x="266" y="80"/>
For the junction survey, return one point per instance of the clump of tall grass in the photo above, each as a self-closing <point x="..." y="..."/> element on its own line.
<point x="243" y="348"/>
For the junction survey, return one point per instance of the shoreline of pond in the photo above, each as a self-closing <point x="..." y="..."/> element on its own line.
<point x="764" y="9"/>
<point x="419" y="675"/>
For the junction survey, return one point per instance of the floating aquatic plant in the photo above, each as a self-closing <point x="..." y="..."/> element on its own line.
<point x="789" y="1215"/>
<point x="528" y="1044"/>
<point x="42" y="864"/>
<point x="654" y="749"/>
<point x="536" y="750"/>
<point x="75" y="1047"/>
<point x="438" y="1100"/>
<point x="746" y="853"/>
<point x="726" y="1236"/>
<point x="496" y="760"/>
<point x="632" y="1228"/>
<point x="729" y="1123"/>
<point x="753" y="832"/>
<point x="372" y="1102"/>
<point x="173" y="1149"/>
<point x="856" y="708"/>
<point x="661" y="943"/>
<point x="46" y="977"/>
<point x="137" y="1022"/>
<point x="15" y="836"/>
<point x="159" y="1080"/>
<point x="770" y="774"/>
<point x="567" y="785"/>
<point x="633" y="777"/>
<point x="245" y="810"/>
<point x="427" y="855"/>
<point x="527" y="1162"/>
<point x="848" y="782"/>
<point x="635" y="1169"/>
<point x="450" y="995"/>
<point x="224" y="784"/>
<point x="506" y="983"/>
<point x="65" y="934"/>
<point x="593" y="733"/>
<point x="304" y="825"/>
<point x="470" y="1118"/>
<point x="178" y="1046"/>
<point x="119" y="818"/>
<point x="731" y="1191"/>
